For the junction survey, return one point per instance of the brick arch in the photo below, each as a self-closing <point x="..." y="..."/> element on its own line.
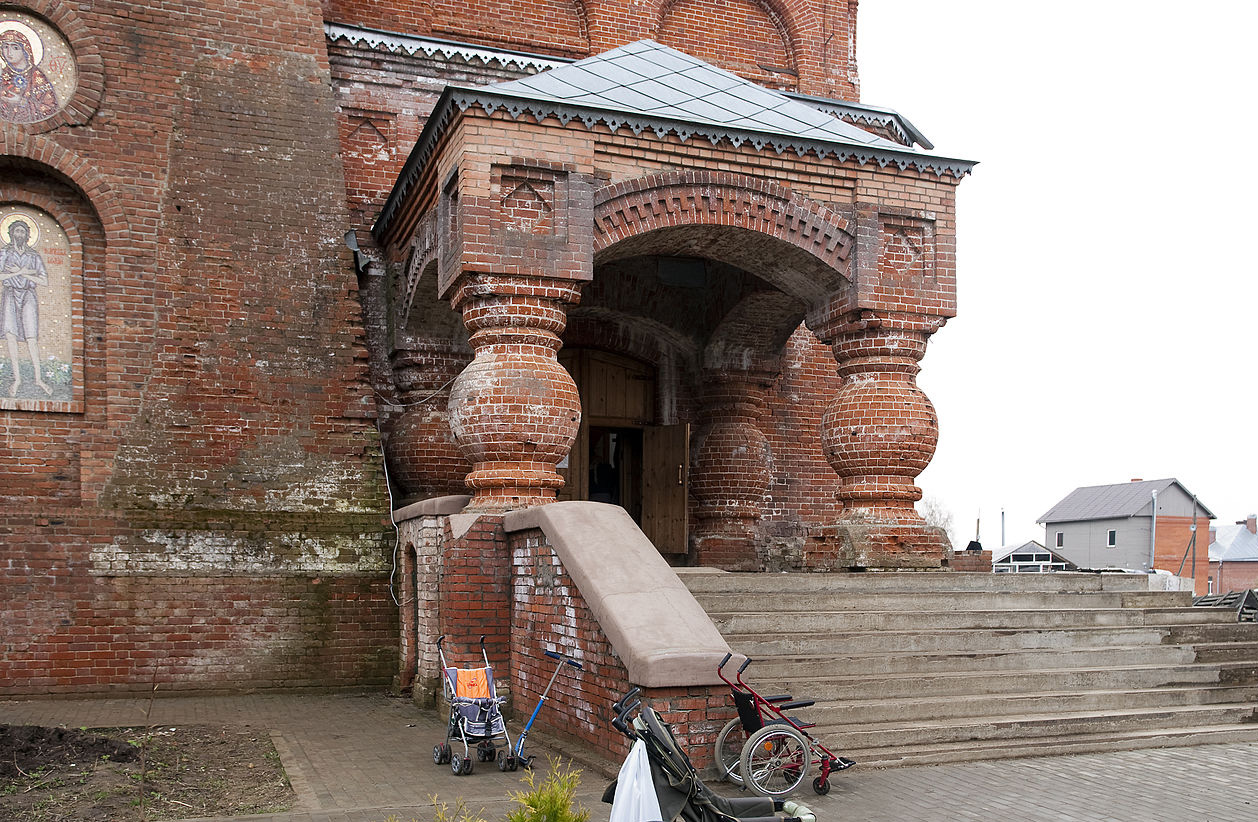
<point x="675" y="358"/>
<point x="88" y="61"/>
<point x="78" y="173"/>
<point x="761" y="33"/>
<point x="727" y="217"/>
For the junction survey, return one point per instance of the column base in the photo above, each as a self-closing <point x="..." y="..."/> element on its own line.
<point x="879" y="546"/>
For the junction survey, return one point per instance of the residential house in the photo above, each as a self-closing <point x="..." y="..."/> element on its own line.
<point x="1234" y="556"/>
<point x="1029" y="558"/>
<point x="1123" y="525"/>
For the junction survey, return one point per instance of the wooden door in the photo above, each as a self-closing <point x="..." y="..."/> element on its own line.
<point x="665" y="469"/>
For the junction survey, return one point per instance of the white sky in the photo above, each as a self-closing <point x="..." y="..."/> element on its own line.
<point x="1108" y="298"/>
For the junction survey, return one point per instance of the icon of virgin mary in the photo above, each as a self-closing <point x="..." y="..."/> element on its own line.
<point x="26" y="95"/>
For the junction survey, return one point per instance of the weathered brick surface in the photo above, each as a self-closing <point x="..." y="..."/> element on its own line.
<point x="549" y="614"/>
<point x="804" y="45"/>
<point x="223" y="451"/>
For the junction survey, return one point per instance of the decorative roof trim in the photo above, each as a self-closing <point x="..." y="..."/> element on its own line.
<point x="870" y="115"/>
<point x="432" y="47"/>
<point x="491" y="102"/>
<point x="438" y="121"/>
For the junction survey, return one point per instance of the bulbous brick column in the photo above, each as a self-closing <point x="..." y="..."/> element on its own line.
<point x="514" y="410"/>
<point x="730" y="473"/>
<point x="879" y="434"/>
<point x="424" y="459"/>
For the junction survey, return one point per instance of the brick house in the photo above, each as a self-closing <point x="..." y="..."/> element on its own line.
<point x="1118" y="526"/>
<point x="1234" y="556"/>
<point x="638" y="254"/>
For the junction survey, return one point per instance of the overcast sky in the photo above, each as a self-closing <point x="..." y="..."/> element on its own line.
<point x="1108" y="290"/>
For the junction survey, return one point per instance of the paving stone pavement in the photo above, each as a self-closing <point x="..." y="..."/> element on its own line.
<point x="363" y="758"/>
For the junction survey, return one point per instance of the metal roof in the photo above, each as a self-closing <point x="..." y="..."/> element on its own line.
<point x="647" y="86"/>
<point x="1125" y="499"/>
<point x="649" y="78"/>
<point x="1234" y="543"/>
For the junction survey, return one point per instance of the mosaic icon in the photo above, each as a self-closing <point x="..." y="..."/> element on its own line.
<point x="38" y="75"/>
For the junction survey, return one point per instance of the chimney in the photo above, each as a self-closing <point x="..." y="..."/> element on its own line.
<point x="1251" y="522"/>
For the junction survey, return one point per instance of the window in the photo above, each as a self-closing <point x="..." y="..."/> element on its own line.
<point x="1060" y="539"/>
<point x="1111" y="538"/>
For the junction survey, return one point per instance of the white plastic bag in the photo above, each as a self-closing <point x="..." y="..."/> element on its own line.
<point x="635" y="792"/>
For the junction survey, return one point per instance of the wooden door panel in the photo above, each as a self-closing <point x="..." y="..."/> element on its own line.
<point x="665" y="457"/>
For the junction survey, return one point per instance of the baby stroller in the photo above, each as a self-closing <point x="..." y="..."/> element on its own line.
<point x="475" y="714"/>
<point x="678" y="789"/>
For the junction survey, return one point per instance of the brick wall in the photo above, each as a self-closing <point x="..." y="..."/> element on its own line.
<point x="224" y="449"/>
<point x="1171" y="551"/>
<point x="803" y="45"/>
<point x="549" y="614"/>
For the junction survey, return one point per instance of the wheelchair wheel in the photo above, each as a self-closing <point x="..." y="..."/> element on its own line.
<point x="727" y="750"/>
<point x="821" y="786"/>
<point x="775" y="759"/>
<point x="440" y="753"/>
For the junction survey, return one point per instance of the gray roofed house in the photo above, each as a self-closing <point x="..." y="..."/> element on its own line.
<point x="1234" y="555"/>
<point x="1113" y="526"/>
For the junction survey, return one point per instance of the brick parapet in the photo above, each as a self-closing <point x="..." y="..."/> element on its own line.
<point x="551" y="614"/>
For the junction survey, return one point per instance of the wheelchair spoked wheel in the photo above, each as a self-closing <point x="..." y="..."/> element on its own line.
<point x="728" y="749"/>
<point x="775" y="760"/>
<point x="440" y="753"/>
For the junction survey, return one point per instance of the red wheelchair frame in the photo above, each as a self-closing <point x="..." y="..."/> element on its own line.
<point x="773" y="749"/>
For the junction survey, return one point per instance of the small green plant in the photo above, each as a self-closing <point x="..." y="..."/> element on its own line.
<point x="551" y="801"/>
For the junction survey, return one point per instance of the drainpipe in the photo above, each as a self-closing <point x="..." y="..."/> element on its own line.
<point x="1153" y="530"/>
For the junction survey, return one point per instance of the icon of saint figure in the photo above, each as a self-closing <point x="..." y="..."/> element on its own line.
<point x="26" y="94"/>
<point x="21" y="271"/>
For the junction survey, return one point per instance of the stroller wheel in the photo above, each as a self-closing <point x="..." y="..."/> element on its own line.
<point x="485" y="752"/>
<point x="459" y="765"/>
<point x="440" y="753"/>
<point x="821" y="786"/>
<point x="506" y="762"/>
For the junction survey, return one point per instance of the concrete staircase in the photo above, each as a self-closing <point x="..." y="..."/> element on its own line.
<point x="911" y="668"/>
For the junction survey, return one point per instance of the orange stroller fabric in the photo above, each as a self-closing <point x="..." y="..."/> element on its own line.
<point x="472" y="684"/>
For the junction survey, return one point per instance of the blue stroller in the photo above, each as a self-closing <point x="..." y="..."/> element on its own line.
<point x="475" y="714"/>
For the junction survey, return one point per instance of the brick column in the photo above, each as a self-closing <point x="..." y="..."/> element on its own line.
<point x="731" y="472"/>
<point x="514" y="410"/>
<point x="879" y="434"/>
<point x="423" y="456"/>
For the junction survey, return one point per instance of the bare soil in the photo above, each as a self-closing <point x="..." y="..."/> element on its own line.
<point x="138" y="774"/>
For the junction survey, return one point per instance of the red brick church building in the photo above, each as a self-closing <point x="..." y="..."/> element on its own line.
<point x="278" y="274"/>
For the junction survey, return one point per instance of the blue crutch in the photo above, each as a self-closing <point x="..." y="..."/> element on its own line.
<point x="509" y="761"/>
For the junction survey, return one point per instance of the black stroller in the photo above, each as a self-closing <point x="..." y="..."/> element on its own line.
<point x="681" y="794"/>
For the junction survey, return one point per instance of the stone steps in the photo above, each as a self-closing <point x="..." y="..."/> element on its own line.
<point x="752" y="622"/>
<point x="978" y="666"/>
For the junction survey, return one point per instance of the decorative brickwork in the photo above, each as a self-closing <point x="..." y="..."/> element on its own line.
<point x="732" y="466"/>
<point x="514" y="410"/>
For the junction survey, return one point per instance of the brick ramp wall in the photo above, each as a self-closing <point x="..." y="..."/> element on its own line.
<point x="551" y="612"/>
